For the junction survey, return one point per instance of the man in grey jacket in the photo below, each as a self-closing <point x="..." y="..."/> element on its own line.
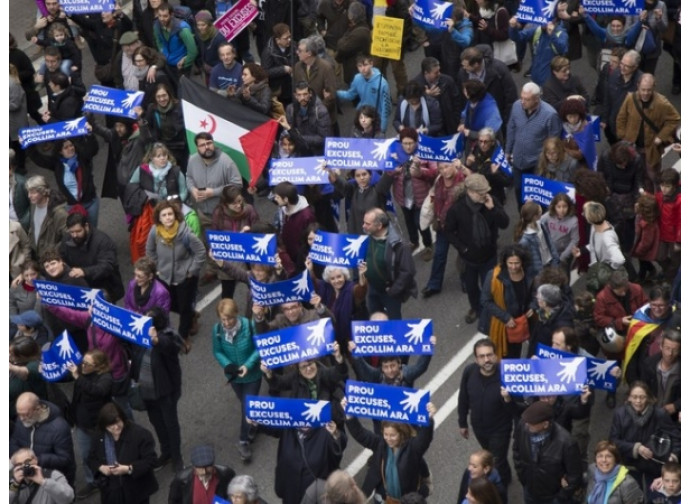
<point x="209" y="171"/>
<point x="31" y="483"/>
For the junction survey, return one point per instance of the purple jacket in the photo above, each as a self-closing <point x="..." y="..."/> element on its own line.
<point x="159" y="297"/>
<point x="98" y="338"/>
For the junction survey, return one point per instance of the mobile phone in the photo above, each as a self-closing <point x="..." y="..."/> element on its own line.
<point x="200" y="188"/>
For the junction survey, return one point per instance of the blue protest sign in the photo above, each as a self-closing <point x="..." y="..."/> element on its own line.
<point x="57" y="294"/>
<point x="392" y="337"/>
<point x="613" y="7"/>
<point x="536" y="11"/>
<point x="62" y="352"/>
<point x="287" y="413"/>
<point x="339" y="249"/>
<point x="387" y="402"/>
<point x="216" y="499"/>
<point x="598" y="370"/>
<point x="596" y="126"/>
<point x="110" y="101"/>
<point x="542" y="190"/>
<point x="441" y="148"/>
<point x="430" y="14"/>
<point x="362" y="153"/>
<point x="499" y="157"/>
<point x="299" y="288"/>
<point x="243" y="247"/>
<point x="52" y="131"/>
<point x="299" y="171"/>
<point x="585" y="141"/>
<point x="87" y="6"/>
<point x="120" y="322"/>
<point x="537" y="377"/>
<point x="295" y="344"/>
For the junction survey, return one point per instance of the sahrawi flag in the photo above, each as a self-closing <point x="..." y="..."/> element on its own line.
<point x="242" y="133"/>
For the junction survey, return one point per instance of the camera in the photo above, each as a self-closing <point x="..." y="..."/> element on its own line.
<point x="28" y="470"/>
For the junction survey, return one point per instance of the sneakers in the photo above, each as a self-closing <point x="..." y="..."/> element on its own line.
<point x="86" y="491"/>
<point x="245" y="451"/>
<point x="427" y="254"/>
<point x="161" y="462"/>
<point x="471" y="316"/>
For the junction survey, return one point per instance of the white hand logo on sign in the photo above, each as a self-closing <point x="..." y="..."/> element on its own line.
<point x="352" y="250"/>
<point x="411" y="401"/>
<point x="137" y="324"/>
<point x="64" y="346"/>
<point x="301" y="284"/>
<point x="450" y="146"/>
<point x="381" y="150"/>
<point x="261" y="244"/>
<point x="313" y="411"/>
<point x="416" y="332"/>
<point x="569" y="371"/>
<point x="316" y="336"/>
<point x="598" y="371"/>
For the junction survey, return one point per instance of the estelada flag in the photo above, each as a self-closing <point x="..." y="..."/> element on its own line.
<point x="243" y="134"/>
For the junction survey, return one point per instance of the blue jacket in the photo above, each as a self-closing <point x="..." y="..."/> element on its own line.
<point x="172" y="46"/>
<point x="531" y="242"/>
<point x="486" y="114"/>
<point x="462" y="33"/>
<point x="525" y="135"/>
<point x="545" y="48"/>
<point x="373" y="91"/>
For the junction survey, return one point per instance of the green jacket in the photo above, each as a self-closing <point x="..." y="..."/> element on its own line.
<point x="240" y="352"/>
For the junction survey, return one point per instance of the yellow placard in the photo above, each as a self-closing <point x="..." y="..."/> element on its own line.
<point x="386" y="41"/>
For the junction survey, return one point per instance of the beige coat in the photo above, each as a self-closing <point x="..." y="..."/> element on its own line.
<point x="20" y="248"/>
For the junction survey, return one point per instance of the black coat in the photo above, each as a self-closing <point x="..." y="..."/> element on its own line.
<point x="91" y="392"/>
<point x="182" y="485"/>
<point x="86" y="149"/>
<point x="165" y="365"/>
<point x="449" y="100"/>
<point x="651" y="376"/>
<point x="97" y="257"/>
<point x="559" y="457"/>
<point x="409" y="458"/>
<point x="480" y="397"/>
<point x="135" y="447"/>
<point x="541" y="330"/>
<point x="65" y="106"/>
<point x="274" y="62"/>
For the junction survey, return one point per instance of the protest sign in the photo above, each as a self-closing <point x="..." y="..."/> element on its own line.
<point x="538" y="377"/>
<point x="362" y="153"/>
<point x="338" y="249"/>
<point x="598" y="370"/>
<point x="444" y="149"/>
<point x="237" y="17"/>
<point x="299" y="171"/>
<point x="110" y="101"/>
<point x="54" y="361"/>
<point x="87" y="6"/>
<point x="299" y="288"/>
<point x="386" y="39"/>
<point x="53" y="131"/>
<point x="243" y="247"/>
<point x="537" y="12"/>
<point x="431" y="14"/>
<point x="499" y="157"/>
<point x="120" y="322"/>
<point x="613" y="7"/>
<point x="387" y="402"/>
<point x="392" y="337"/>
<point x="57" y="294"/>
<point x="542" y="190"/>
<point x="295" y="344"/>
<point x="287" y="413"/>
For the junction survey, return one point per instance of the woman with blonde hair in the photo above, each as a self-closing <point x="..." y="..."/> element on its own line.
<point x="554" y="162"/>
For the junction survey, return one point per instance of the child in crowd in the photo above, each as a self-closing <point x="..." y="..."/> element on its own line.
<point x="534" y="236"/>
<point x="666" y="490"/>
<point x="562" y="225"/>
<point x="646" y="245"/>
<point x="59" y="37"/>
<point x="668" y="199"/>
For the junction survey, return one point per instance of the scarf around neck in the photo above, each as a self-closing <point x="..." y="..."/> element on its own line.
<point x="601" y="482"/>
<point x="167" y="235"/>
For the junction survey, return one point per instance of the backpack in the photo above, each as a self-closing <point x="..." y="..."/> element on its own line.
<point x="184" y="13"/>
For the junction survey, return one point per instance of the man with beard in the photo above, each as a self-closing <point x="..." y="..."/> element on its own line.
<point x="92" y="255"/>
<point x="306" y="121"/>
<point x="491" y="415"/>
<point x="42" y="427"/>
<point x="209" y="171"/>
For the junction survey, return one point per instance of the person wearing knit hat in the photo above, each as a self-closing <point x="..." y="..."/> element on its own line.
<point x="546" y="457"/>
<point x="208" y="39"/>
<point x="472" y="225"/>
<point x="203" y="481"/>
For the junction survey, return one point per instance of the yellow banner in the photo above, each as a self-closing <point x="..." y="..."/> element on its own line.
<point x="386" y="41"/>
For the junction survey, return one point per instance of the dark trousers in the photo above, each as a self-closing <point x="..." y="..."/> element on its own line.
<point x="162" y="413"/>
<point x="497" y="443"/>
<point x="412" y="223"/>
<point x="381" y="302"/>
<point x="242" y="390"/>
<point x="438" y="266"/>
<point x="183" y="296"/>
<point x="474" y="276"/>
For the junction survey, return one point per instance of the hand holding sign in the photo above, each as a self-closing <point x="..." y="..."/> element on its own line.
<point x="313" y="411"/>
<point x="411" y="402"/>
<point x="567" y="374"/>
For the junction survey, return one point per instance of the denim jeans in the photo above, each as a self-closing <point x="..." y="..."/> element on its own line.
<point x="381" y="302"/>
<point x="438" y="266"/>
<point x="242" y="390"/>
<point x="84" y="443"/>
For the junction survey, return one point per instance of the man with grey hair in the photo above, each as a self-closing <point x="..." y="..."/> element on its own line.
<point x="531" y="122"/>
<point x="622" y="81"/>
<point x="356" y="40"/>
<point x="30" y="482"/>
<point x="48" y="215"/>
<point x="319" y="74"/>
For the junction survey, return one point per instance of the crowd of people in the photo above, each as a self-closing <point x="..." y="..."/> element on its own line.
<point x="619" y="230"/>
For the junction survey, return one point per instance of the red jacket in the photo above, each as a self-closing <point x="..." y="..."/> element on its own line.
<point x="420" y="185"/>
<point x="669" y="217"/>
<point x="646" y="243"/>
<point x="608" y="310"/>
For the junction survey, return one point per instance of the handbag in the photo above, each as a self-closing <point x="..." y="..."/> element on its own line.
<point x="136" y="401"/>
<point x="519" y="333"/>
<point x="504" y="50"/>
<point x="660" y="444"/>
<point x="426" y="212"/>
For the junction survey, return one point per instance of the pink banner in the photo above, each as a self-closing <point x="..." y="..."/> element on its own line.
<point x="236" y="19"/>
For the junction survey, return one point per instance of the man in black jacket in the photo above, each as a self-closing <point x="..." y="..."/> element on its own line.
<point x="491" y="416"/>
<point x="442" y="88"/>
<point x="472" y="225"/>
<point x="92" y="255"/>
<point x="214" y="479"/>
<point x="546" y="458"/>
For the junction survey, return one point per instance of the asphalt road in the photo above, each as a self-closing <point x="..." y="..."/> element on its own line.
<point x="208" y="410"/>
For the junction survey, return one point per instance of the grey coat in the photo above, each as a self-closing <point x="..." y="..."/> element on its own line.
<point x="183" y="260"/>
<point x="626" y="491"/>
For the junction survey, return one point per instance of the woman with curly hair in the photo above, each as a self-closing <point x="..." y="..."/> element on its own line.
<point x="554" y="162"/>
<point x="254" y="92"/>
<point x="573" y="114"/>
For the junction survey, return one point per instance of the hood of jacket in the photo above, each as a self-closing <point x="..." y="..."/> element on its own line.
<point x="302" y="203"/>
